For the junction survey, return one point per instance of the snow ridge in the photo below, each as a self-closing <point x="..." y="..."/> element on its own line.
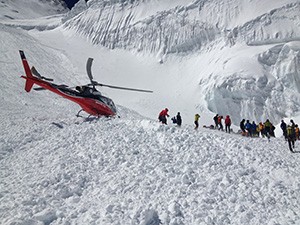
<point x="182" y="28"/>
<point x="116" y="26"/>
<point x="261" y="29"/>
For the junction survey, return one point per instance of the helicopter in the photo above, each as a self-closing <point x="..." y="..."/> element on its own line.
<point x="86" y="96"/>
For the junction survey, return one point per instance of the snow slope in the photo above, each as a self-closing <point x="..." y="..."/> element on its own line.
<point x="14" y="9"/>
<point x="59" y="169"/>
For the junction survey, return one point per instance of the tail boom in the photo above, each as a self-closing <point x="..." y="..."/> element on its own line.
<point x="29" y="77"/>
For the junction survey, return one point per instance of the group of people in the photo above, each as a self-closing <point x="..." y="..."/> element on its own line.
<point x="265" y="129"/>
<point x="247" y="128"/>
<point x="162" y="117"/>
<point x="219" y="124"/>
<point x="291" y="132"/>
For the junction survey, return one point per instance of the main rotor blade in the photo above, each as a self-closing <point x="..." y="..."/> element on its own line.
<point x="93" y="83"/>
<point x="124" y="88"/>
<point x="89" y="69"/>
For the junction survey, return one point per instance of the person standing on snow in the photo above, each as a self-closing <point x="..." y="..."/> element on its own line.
<point x="163" y="116"/>
<point x="297" y="132"/>
<point x="268" y="127"/>
<point x="248" y="128"/>
<point x="197" y="116"/>
<point x="242" y="126"/>
<point x="220" y="123"/>
<point x="253" y="128"/>
<point x="291" y="137"/>
<point x="272" y="133"/>
<point x="178" y="119"/>
<point x="261" y="129"/>
<point x="216" y="120"/>
<point x="227" y="124"/>
<point x="283" y="128"/>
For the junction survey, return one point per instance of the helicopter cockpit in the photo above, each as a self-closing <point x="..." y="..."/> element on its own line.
<point x="87" y="91"/>
<point x="108" y="102"/>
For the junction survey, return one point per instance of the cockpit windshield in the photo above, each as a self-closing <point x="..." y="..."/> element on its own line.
<point x="108" y="102"/>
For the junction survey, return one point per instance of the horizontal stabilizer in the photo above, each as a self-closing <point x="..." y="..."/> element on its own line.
<point x="39" y="89"/>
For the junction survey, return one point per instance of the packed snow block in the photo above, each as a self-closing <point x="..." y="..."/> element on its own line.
<point x="175" y="209"/>
<point x="270" y="56"/>
<point x="151" y="218"/>
<point x="47" y="216"/>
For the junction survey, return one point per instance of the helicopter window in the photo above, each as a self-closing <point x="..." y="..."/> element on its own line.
<point x="108" y="102"/>
<point x="85" y="91"/>
<point x="96" y="92"/>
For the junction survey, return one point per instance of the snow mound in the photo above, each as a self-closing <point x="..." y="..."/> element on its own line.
<point x="126" y="170"/>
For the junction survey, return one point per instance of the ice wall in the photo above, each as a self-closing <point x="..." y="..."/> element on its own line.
<point x="272" y="93"/>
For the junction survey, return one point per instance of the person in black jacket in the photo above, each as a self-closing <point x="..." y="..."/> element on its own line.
<point x="178" y="119"/>
<point x="242" y="126"/>
<point x="291" y="137"/>
<point x="216" y="121"/>
<point x="283" y="128"/>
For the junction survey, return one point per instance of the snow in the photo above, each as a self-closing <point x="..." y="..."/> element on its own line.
<point x="60" y="169"/>
<point x="15" y="9"/>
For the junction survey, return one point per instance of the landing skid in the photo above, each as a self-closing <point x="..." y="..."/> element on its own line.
<point x="78" y="114"/>
<point x="93" y="117"/>
<point x="89" y="116"/>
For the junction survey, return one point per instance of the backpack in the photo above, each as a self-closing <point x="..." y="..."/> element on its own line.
<point x="227" y="121"/>
<point x="219" y="119"/>
<point x="174" y="119"/>
<point x="290" y="132"/>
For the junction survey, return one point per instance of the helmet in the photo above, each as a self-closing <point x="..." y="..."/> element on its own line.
<point x="166" y="109"/>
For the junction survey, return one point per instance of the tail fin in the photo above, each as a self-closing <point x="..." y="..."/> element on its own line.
<point x="29" y="83"/>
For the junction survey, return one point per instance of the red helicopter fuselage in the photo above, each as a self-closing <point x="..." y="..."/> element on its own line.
<point x="94" y="104"/>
